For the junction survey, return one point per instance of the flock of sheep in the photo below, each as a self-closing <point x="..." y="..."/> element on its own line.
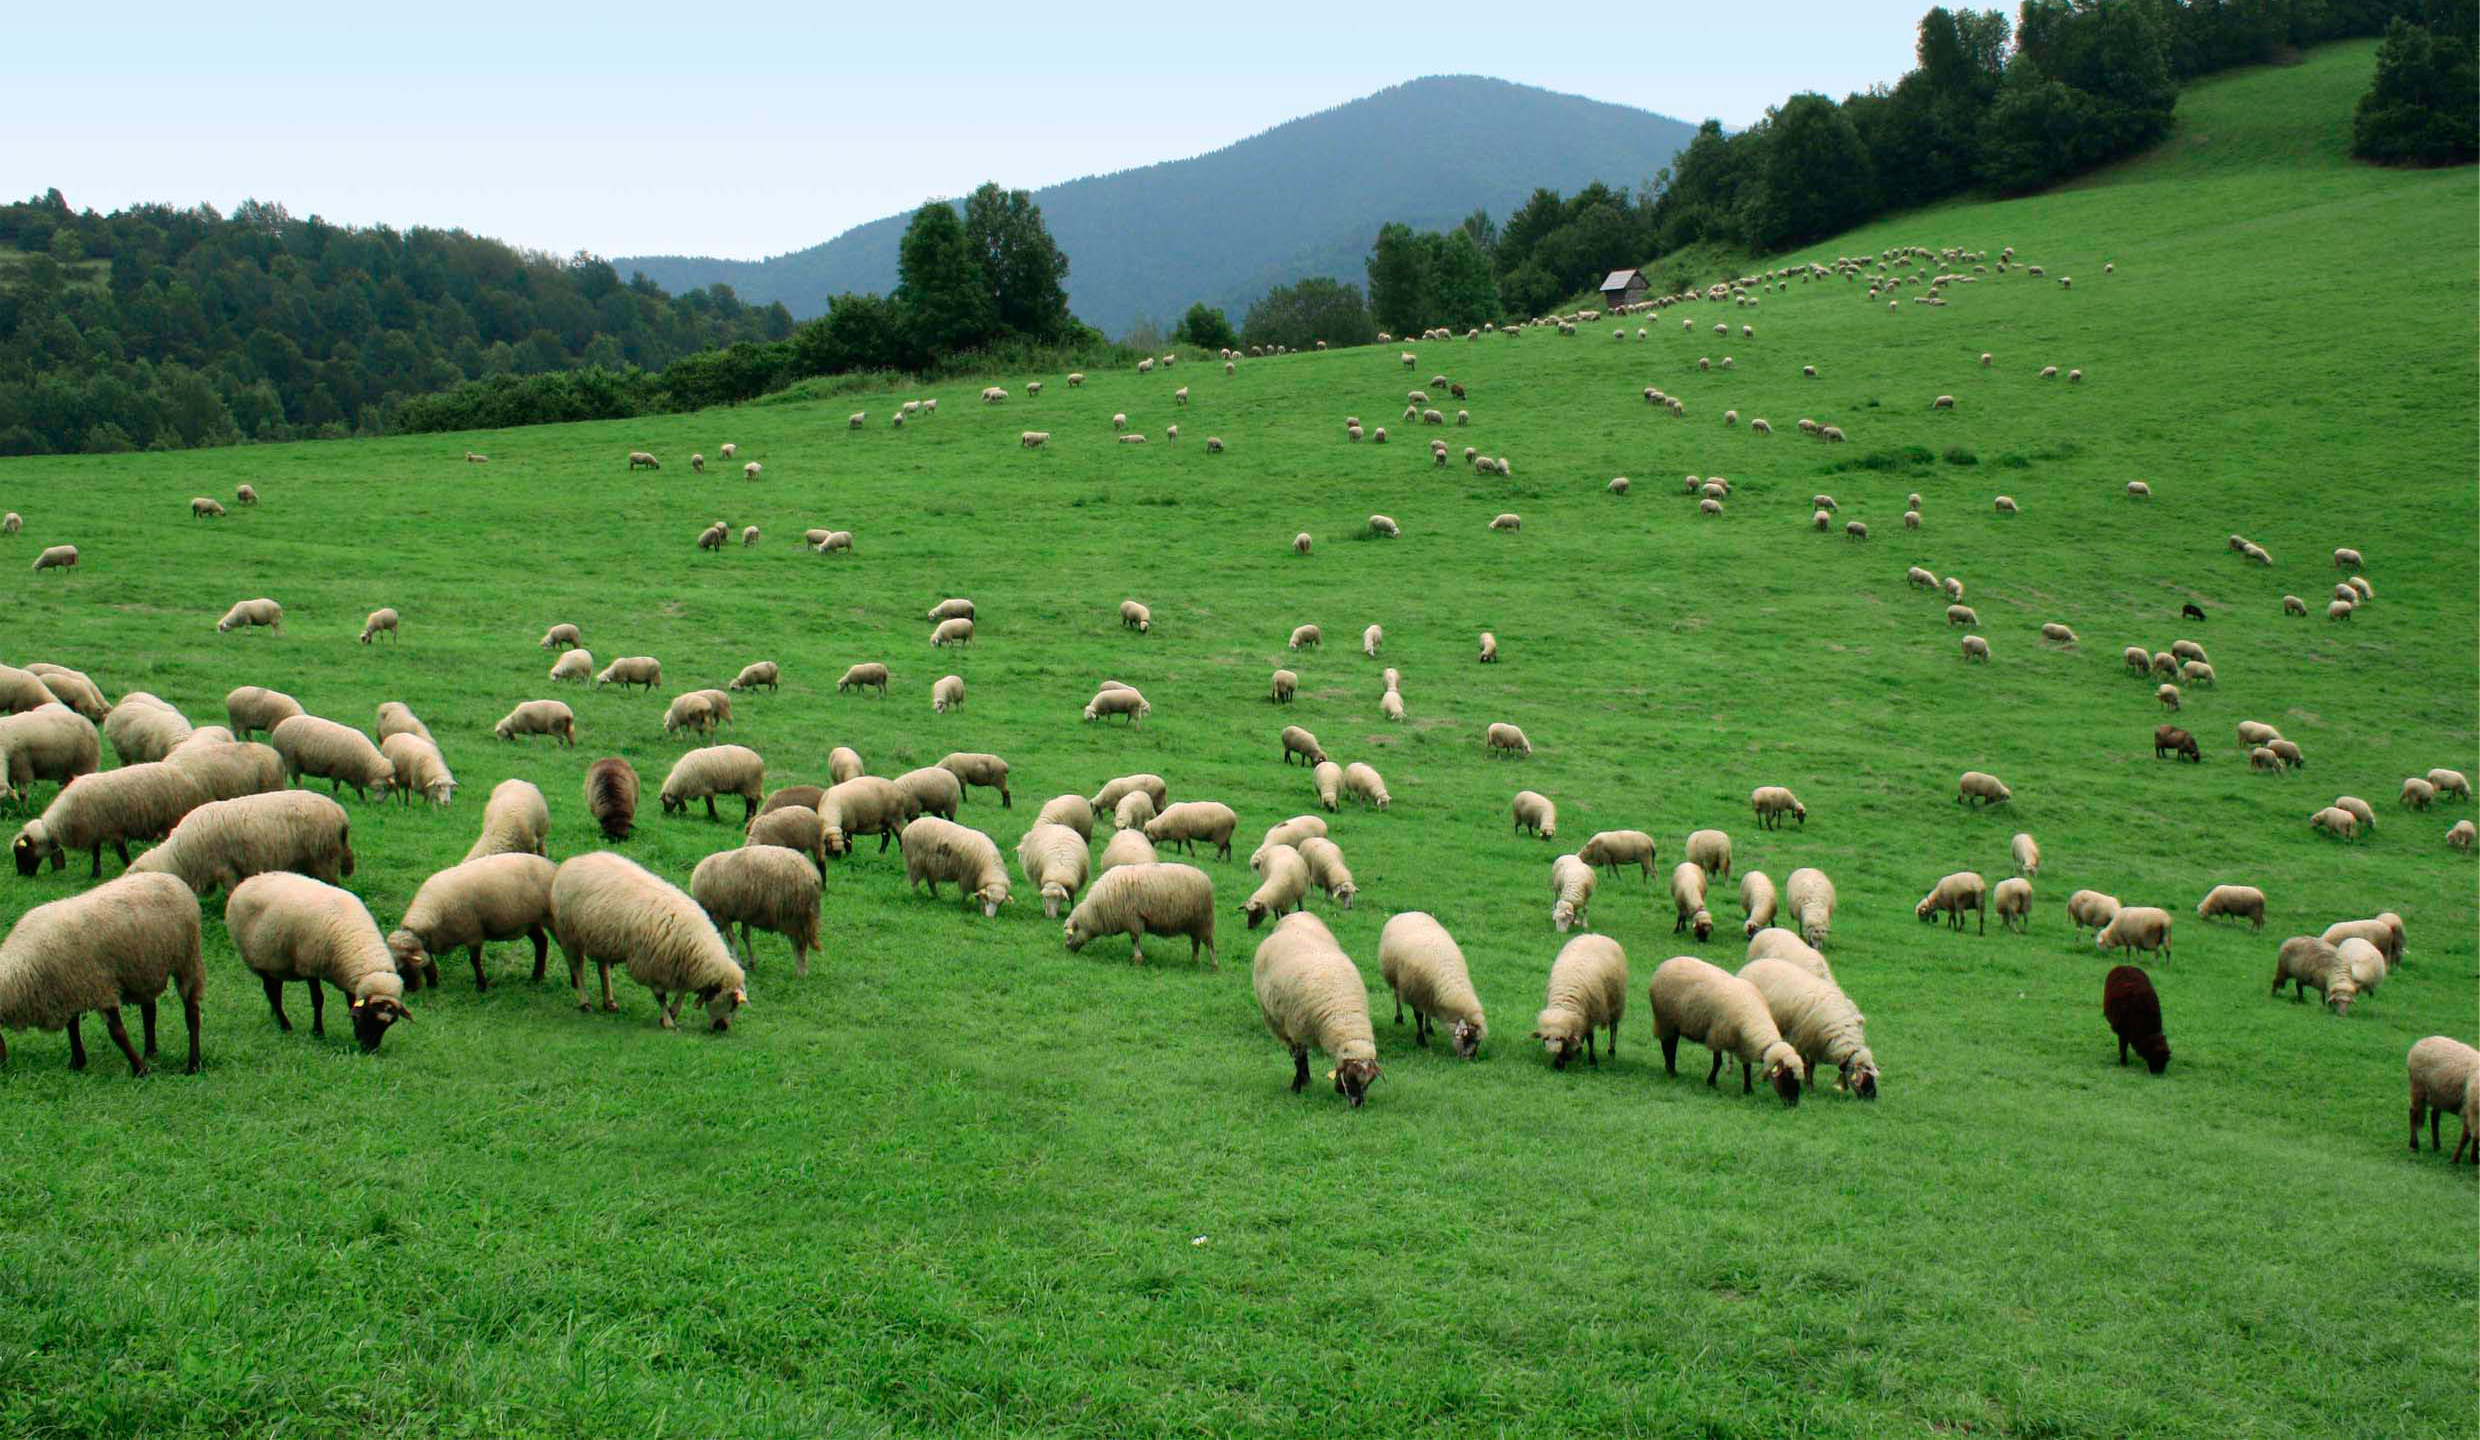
<point x="228" y="819"/>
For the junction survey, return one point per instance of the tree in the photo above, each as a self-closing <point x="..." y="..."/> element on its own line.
<point x="940" y="286"/>
<point x="1019" y="261"/>
<point x="1206" y="328"/>
<point x="1399" y="280"/>
<point x="858" y="332"/>
<point x="1299" y="315"/>
<point x="2420" y="109"/>
<point x="1464" y="291"/>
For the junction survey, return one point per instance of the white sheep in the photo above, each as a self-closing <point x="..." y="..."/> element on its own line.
<point x="1976" y="788"/>
<point x="1728" y="1015"/>
<point x="607" y="909"/>
<point x="1503" y="738"/>
<point x="1055" y="862"/>
<point x="771" y="887"/>
<point x="1422" y="965"/>
<point x="538" y="717"/>
<point x="291" y="927"/>
<point x="1587" y="991"/>
<point x="2136" y="927"/>
<point x="1818" y="1020"/>
<point x="714" y="770"/>
<point x="1571" y="892"/>
<point x="121" y="942"/>
<point x="1310" y="993"/>
<point x="936" y="849"/>
<point x="2239" y="901"/>
<point x="1809" y="898"/>
<point x="494" y="897"/>
<point x="338" y="754"/>
<point x="1146" y="897"/>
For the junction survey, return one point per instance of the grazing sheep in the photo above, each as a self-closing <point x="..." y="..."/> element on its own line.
<point x="1688" y="897"/>
<point x="74" y="690"/>
<point x="246" y="614"/>
<point x="1423" y="966"/>
<point x="1728" y="1015"/>
<point x="2013" y="902"/>
<point x="2341" y="824"/>
<point x="252" y="708"/>
<point x="692" y="711"/>
<point x="119" y="943"/>
<point x="2293" y="605"/>
<point x="936" y="849"/>
<point x="1534" y="811"/>
<point x="2360" y="810"/>
<point x="1962" y="615"/>
<point x="952" y="632"/>
<point x="1571" y="892"/>
<point x="1055" y="862"/>
<point x="561" y="637"/>
<point x="1808" y="897"/>
<point x="53" y="743"/>
<point x="2006" y="505"/>
<point x="1142" y="898"/>
<point x="291" y="927"/>
<point x="1126" y="847"/>
<point x="2168" y="695"/>
<point x="1133" y="616"/>
<point x="611" y="797"/>
<point x="607" y="909"/>
<point x="946" y="693"/>
<point x="1327" y="870"/>
<point x="1307" y="635"/>
<point x="2304" y="962"/>
<point x="867" y="675"/>
<point x="488" y="898"/>
<point x="1108" y="797"/>
<point x="1507" y="739"/>
<point x="929" y="790"/>
<point x="1297" y="741"/>
<point x="2133" y="1011"/>
<point x="1507" y="522"/>
<point x="54" y="557"/>
<point x="2445" y="1076"/>
<point x="2058" y="634"/>
<point x="1978" y="789"/>
<point x="1771" y="943"/>
<point x="381" y="621"/>
<point x="419" y="769"/>
<point x="1285" y="876"/>
<point x="1285" y="686"/>
<point x="2417" y="793"/>
<point x="515" y="821"/>
<point x="952" y="609"/>
<point x="631" y="670"/>
<point x="714" y="770"/>
<point x="1489" y="648"/>
<point x="394" y="718"/>
<point x="2136" y="927"/>
<point x="770" y="887"/>
<point x="1070" y="810"/>
<point x="2339" y="610"/>
<point x="2239" y="901"/>
<point x="1134" y="810"/>
<point x="1954" y="588"/>
<point x="1614" y="848"/>
<point x="1587" y="991"/>
<point x="1953" y="895"/>
<point x="868" y="805"/>
<point x="2443" y="782"/>
<point x="2288" y="753"/>
<point x="1772" y="802"/>
<point x="2090" y="910"/>
<point x="795" y="827"/>
<point x="249" y="496"/>
<point x="1122" y="701"/>
<point x="973" y="767"/>
<point x="1816" y="1019"/>
<point x="1311" y="994"/>
<point x="539" y="717"/>
<point x="338" y="754"/>
<point x="2026" y="852"/>
<point x="1976" y="648"/>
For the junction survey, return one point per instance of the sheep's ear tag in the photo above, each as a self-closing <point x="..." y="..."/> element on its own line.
<point x="1330" y="1074"/>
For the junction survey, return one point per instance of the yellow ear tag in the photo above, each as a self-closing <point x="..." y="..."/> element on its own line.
<point x="1331" y="1074"/>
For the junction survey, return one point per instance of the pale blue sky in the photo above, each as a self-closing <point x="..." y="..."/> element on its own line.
<point x="748" y="130"/>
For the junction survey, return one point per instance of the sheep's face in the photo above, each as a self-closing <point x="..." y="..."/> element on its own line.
<point x="1861" y="1080"/>
<point x="1353" y="1079"/>
<point x="1467" y="1038"/>
<point x="1785" y="1078"/>
<point x="29" y="848"/>
<point x="721" y="1004"/>
<point x="673" y="804"/>
<point x="411" y="959"/>
<point x="2156" y="1052"/>
<point x="1799" y="812"/>
<point x="1562" y="915"/>
<point x="371" y="1019"/>
<point x="1255" y="910"/>
<point x="1925" y="911"/>
<point x="2338" y="999"/>
<point x="1558" y="1047"/>
<point x="1052" y="895"/>
<point x="1075" y="935"/>
<point x="1703" y="925"/>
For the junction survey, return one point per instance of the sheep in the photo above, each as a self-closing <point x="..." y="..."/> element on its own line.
<point x="2090" y="910"/>
<point x="2013" y="902"/>
<point x="952" y="632"/>
<point x="2133" y="1010"/>
<point x="1953" y="895"/>
<point x="249" y="496"/>
<point x="770" y="887"/>
<point x="1133" y="811"/>
<point x="1310" y="993"/>
<point x="1284" y="687"/>
<point x="252" y="708"/>
<point x="2242" y="901"/>
<point x="1214" y="444"/>
<point x="2443" y="782"/>
<point x="1054" y="861"/>
<point x="2254" y="732"/>
<point x="1307" y="635"/>
<point x="2006" y="505"/>
<point x="1108" y="797"/>
<point x="1772" y="802"/>
<point x="516" y="820"/>
<point x="2417" y="793"/>
<point x="1363" y="783"/>
<point x="1808" y="897"/>
<point x="750" y="471"/>
<point x="1727" y="1015"/>
<point x="1285" y="876"/>
<point x="866" y="805"/>
<point x="2136" y="927"/>
<point x="2026" y="852"/>
<point x="2445" y="1076"/>
<point x="762" y="673"/>
<point x="1954" y="588"/>
<point x="2293" y="605"/>
<point x="1075" y="379"/>
<point x="2360" y="810"/>
<point x="338" y="754"/>
<point x="1976" y="648"/>
<point x="203" y="508"/>
<point x="1978" y="789"/>
<point x="291" y="927"/>
<point x="936" y="849"/>
<point x="692" y="711"/>
<point x="488" y="898"/>
<point x="835" y="540"/>
<point x="74" y="690"/>
<point x="1371" y="639"/>
<point x="2138" y="490"/>
<point x="2288" y="753"/>
<point x="246" y="614"/>
<point x="607" y="909"/>
<point x="1141" y="897"/>
<point x="1614" y="848"/>
<point x="2461" y="835"/>
<point x="1489" y="648"/>
<point x="2304" y="962"/>
<point x="1688" y="897"/>
<point x="561" y="637"/>
<point x="1422" y="964"/>
<point x="1503" y="738"/>
<point x="1327" y="870"/>
<point x="794" y="827"/>
<point x="975" y="768"/>
<point x="1297" y="741"/>
<point x="1587" y="991"/>
<point x="1773" y="943"/>
<point x="2385" y="932"/>
<point x="381" y="621"/>
<point x="1121" y="701"/>
<point x="2341" y="824"/>
<point x="1133" y="616"/>
<point x="1962" y="615"/>
<point x="930" y="790"/>
<point x="1126" y="847"/>
<point x="54" y="557"/>
<point x="631" y="670"/>
<point x="119" y="943"/>
<point x="539" y="717"/>
<point x="712" y="771"/>
<point x="946" y="693"/>
<point x="1571" y="892"/>
<point x="1855" y="530"/>
<point x="53" y="743"/>
<point x="1816" y="1019"/>
<point x="2057" y="634"/>
<point x="1507" y="522"/>
<point x="222" y="842"/>
<point x="869" y="674"/>
<point x="1069" y="810"/>
<point x="2139" y="661"/>
<point x="1534" y="811"/>
<point x="2339" y="610"/>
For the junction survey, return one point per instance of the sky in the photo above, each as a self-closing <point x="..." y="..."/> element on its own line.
<point x="747" y="130"/>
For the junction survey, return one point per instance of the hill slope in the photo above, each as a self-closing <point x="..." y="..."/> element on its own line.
<point x="1304" y="198"/>
<point x="958" y="1179"/>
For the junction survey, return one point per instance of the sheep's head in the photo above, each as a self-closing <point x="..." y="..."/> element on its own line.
<point x="675" y="804"/>
<point x="33" y="842"/>
<point x="1353" y="1079"/>
<point x="723" y="1003"/>
<point x="1860" y="1077"/>
<point x="412" y="960"/>
<point x="1467" y="1039"/>
<point x="1799" y="812"/>
<point x="992" y="896"/>
<point x="1703" y="924"/>
<point x="1053" y="895"/>
<point x="1784" y="1076"/>
<point x="1256" y="911"/>
<point x="1926" y="910"/>
<point x="2156" y="1051"/>
<point x="1563" y="915"/>
<point x="1344" y="892"/>
<point x="373" y="1016"/>
<point x="1074" y="933"/>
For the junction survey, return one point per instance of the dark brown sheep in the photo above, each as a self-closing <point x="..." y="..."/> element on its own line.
<point x="611" y="796"/>
<point x="2172" y="741"/>
<point x="2134" y="1013"/>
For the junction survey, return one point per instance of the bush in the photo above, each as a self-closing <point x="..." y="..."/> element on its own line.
<point x="2423" y="108"/>
<point x="1957" y="455"/>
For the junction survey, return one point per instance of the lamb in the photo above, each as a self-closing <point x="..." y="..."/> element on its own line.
<point x="1055" y="862"/>
<point x="2306" y="962"/>
<point x="952" y="632"/>
<point x="1285" y="876"/>
<point x="1422" y="964"/>
<point x="1508" y="739"/>
<point x="607" y="909"/>
<point x="2136" y="927"/>
<point x="1134" y="811"/>
<point x="770" y="887"/>
<point x="867" y="805"/>
<point x="291" y="927"/>
<point x="55" y="557"/>
<point x="1727" y="1015"/>
<point x="338" y="754"/>
<point x="844" y="763"/>
<point x="53" y="743"/>
<point x="2461" y="835"/>
<point x="1108" y="797"/>
<point x="1311" y="994"/>
<point x="560" y="637"/>
<point x="1808" y="896"/>
<point x="1297" y="741"/>
<point x="2133" y="1011"/>
<point x="1614" y="848"/>
<point x="1535" y="812"/>
<point x="2445" y="1075"/>
<point x="2013" y="902"/>
<point x="490" y="898"/>
<point x="762" y="673"/>
<point x="1284" y="687"/>
<point x="2090" y="909"/>
<point x="611" y="797"/>
<point x="1327" y="870"/>
<point x="1571" y="892"/>
<point x="1507" y="522"/>
<point x="516" y="820"/>
<point x="2418" y="793"/>
<point x="864" y="676"/>
<point x="631" y="670"/>
<point x="972" y="767"/>
<point x="1587" y="991"/>
<point x="1688" y="897"/>
<point x="1711" y="849"/>
<point x="946" y="693"/>
<point x="539" y="717"/>
<point x="1818" y="1020"/>
<point x="1772" y="802"/>
<point x="1145" y="897"/>
<point x="1118" y="702"/>
<point x="2241" y="901"/>
<point x="1953" y="895"/>
<point x="1133" y="616"/>
<point x="119" y="943"/>
<point x="381" y="621"/>
<point x="1364" y="784"/>
<point x="712" y="771"/>
<point x="248" y="613"/>
<point x="1307" y="635"/>
<point x="936" y="849"/>
<point x="1977" y="788"/>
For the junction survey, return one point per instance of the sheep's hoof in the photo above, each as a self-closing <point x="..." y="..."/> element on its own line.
<point x="611" y="1007"/>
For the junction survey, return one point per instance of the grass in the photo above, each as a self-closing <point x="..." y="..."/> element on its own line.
<point x="960" y="1180"/>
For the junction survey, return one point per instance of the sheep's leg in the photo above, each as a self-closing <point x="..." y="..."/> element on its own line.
<point x="1399" y="1009"/>
<point x="1300" y="1068"/>
<point x="710" y="807"/>
<point x="318" y="1007"/>
<point x="1136" y="943"/>
<point x="1711" y="1074"/>
<point x="800" y="959"/>
<point x="189" y="1017"/>
<point x="1984" y="912"/>
<point x="1747" y="1080"/>
<point x="275" y="1001"/>
<point x="1613" y="1047"/>
<point x="664" y="1005"/>
<point x="2122" y="1050"/>
<point x="748" y="951"/>
<point x="146" y="1014"/>
<point x="1420" y="1028"/>
<point x="609" y="1004"/>
<point x="482" y="981"/>
<point x="2435" y="1112"/>
<point x="1591" y="1057"/>
<point x="77" y="1061"/>
<point x="120" y="1037"/>
<point x="884" y="837"/>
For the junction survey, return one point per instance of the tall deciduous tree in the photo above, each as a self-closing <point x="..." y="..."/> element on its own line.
<point x="1023" y="266"/>
<point x="940" y="285"/>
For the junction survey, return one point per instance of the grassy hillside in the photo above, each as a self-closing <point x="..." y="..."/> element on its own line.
<point x="959" y="1179"/>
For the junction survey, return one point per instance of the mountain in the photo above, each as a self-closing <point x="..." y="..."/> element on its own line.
<point x="1304" y="198"/>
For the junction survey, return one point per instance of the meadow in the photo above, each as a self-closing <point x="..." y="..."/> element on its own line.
<point x="959" y="1180"/>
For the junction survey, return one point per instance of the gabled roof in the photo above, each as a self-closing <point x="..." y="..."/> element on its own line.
<point x="1620" y="279"/>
